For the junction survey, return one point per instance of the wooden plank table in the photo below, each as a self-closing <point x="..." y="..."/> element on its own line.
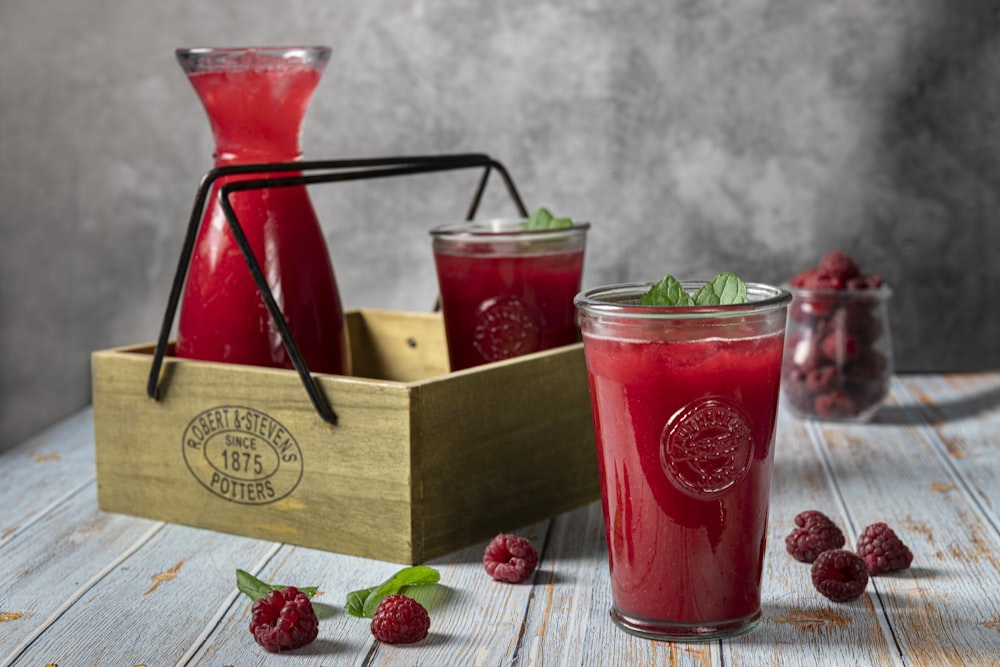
<point x="79" y="586"/>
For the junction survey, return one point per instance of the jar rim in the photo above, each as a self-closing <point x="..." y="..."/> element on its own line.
<point x="883" y="291"/>
<point x="622" y="300"/>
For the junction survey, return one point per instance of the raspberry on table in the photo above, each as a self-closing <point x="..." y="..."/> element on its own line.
<point x="400" y="620"/>
<point x="814" y="533"/>
<point x="882" y="550"/>
<point x="839" y="575"/>
<point x="510" y="558"/>
<point x="283" y="619"/>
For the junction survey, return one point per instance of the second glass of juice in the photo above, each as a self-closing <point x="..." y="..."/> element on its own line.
<point x="506" y="291"/>
<point x="684" y="404"/>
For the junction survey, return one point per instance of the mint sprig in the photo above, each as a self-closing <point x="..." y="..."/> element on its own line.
<point x="255" y="589"/>
<point x="542" y="218"/>
<point x="667" y="292"/>
<point x="725" y="289"/>
<point x="364" y="602"/>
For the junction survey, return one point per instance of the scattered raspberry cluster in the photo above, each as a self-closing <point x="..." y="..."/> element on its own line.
<point x="510" y="558"/>
<point x="283" y="619"/>
<point x="837" y="573"/>
<point x="814" y="533"/>
<point x="400" y="620"/>
<point x="882" y="549"/>
<point x="837" y="361"/>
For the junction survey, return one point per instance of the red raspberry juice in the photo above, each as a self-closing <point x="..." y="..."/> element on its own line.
<point x="507" y="292"/>
<point x="684" y="417"/>
<point x="256" y="100"/>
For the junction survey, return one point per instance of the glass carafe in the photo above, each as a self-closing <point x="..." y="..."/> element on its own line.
<point x="256" y="99"/>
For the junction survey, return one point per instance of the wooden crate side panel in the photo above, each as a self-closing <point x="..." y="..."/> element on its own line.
<point x="500" y="449"/>
<point x="397" y="346"/>
<point x="343" y="488"/>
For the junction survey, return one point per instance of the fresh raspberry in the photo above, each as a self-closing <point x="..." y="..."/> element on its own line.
<point x="874" y="281"/>
<point x="861" y="321"/>
<point x="816" y="280"/>
<point x="815" y="533"/>
<point x="510" y="558"/>
<point x="835" y="405"/>
<point x="839" y="575"/>
<point x="838" y="266"/>
<point x="882" y="549"/>
<point x="400" y="620"/>
<point x="283" y="619"/>
<point x="803" y="278"/>
<point x="870" y="366"/>
<point x="840" y="347"/>
<point x="822" y="379"/>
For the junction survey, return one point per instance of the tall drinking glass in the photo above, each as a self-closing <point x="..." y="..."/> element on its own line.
<point x="507" y="291"/>
<point x="684" y="403"/>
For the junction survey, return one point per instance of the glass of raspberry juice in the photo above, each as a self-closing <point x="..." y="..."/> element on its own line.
<point x="506" y="291"/>
<point x="684" y="404"/>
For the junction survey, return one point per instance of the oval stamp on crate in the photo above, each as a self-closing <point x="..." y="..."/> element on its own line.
<point x="242" y="454"/>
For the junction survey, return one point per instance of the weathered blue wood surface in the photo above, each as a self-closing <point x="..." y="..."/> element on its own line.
<point x="79" y="586"/>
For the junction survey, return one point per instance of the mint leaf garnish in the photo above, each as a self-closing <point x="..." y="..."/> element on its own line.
<point x="667" y="292"/>
<point x="255" y="589"/>
<point x="542" y="218"/>
<point x="725" y="289"/>
<point x="364" y="602"/>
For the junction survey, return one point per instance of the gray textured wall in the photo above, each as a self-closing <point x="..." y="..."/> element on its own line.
<point x="697" y="136"/>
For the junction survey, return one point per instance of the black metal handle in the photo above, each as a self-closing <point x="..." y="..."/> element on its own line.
<point x="330" y="171"/>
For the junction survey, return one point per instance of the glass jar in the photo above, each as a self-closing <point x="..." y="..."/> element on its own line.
<point x="838" y="353"/>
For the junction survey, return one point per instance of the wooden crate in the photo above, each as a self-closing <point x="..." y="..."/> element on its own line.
<point x="422" y="461"/>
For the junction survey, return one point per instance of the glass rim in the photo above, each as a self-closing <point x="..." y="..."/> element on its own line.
<point x="215" y="58"/>
<point x="883" y="291"/>
<point x="493" y="229"/>
<point x="595" y="301"/>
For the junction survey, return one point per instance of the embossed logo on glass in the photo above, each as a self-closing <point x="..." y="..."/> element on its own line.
<point x="706" y="447"/>
<point x="505" y="327"/>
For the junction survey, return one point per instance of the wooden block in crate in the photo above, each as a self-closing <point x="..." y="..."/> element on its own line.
<point x="422" y="461"/>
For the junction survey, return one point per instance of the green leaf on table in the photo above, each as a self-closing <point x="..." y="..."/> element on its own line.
<point x="255" y="589"/>
<point x="542" y="218"/>
<point x="725" y="289"/>
<point x="364" y="602"/>
<point x="667" y="292"/>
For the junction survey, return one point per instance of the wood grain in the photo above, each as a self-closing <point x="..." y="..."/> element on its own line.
<point x="75" y="579"/>
<point x="50" y="467"/>
<point x="414" y="469"/>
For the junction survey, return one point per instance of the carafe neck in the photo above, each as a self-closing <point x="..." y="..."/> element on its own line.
<point x="255" y="98"/>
